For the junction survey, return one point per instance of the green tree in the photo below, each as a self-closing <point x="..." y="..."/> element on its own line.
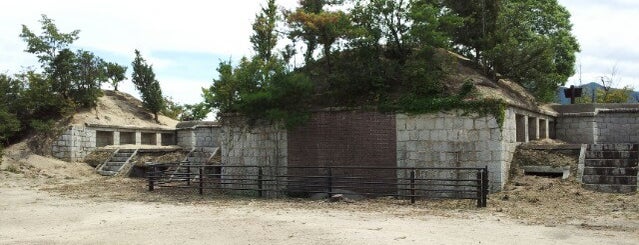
<point x="264" y="37"/>
<point x="144" y="80"/>
<point x="260" y="87"/>
<point x="115" y="73"/>
<point x="172" y="109"/>
<point x="475" y="35"/>
<point x="10" y="96"/>
<point x="91" y="74"/>
<point x="195" y="112"/>
<point x="49" y="43"/>
<point x="534" y="45"/>
<point x="320" y="27"/>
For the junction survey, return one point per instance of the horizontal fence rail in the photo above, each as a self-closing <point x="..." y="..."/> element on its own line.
<point x="326" y="181"/>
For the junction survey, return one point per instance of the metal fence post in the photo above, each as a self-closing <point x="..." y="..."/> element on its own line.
<point x="259" y="182"/>
<point x="485" y="188"/>
<point x="480" y="190"/>
<point x="201" y="180"/>
<point x="412" y="186"/>
<point x="151" y="175"/>
<point x="188" y="174"/>
<point x="329" y="182"/>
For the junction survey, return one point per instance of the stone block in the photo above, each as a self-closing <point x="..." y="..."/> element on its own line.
<point x="402" y="135"/>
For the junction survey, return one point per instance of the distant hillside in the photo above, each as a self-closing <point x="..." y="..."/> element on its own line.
<point x="587" y="90"/>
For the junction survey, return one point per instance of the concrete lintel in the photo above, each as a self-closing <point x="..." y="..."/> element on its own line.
<point x="565" y="170"/>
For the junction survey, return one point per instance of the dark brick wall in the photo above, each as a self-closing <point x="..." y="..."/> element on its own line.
<point x="346" y="138"/>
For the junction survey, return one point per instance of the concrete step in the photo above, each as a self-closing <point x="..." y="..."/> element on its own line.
<point x="610" y="180"/>
<point x="613" y="147"/>
<point x="111" y="168"/>
<point x="120" y="154"/>
<point x="610" y="163"/>
<point x="126" y="151"/>
<point x="612" y="155"/>
<point x="611" y="171"/>
<point x="111" y="163"/>
<point x="119" y="159"/>
<point x="611" y="188"/>
<point x="106" y="173"/>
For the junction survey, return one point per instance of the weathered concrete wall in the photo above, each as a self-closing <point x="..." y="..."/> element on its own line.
<point x="75" y="143"/>
<point x="186" y="138"/>
<point x="581" y="129"/>
<point x="207" y="138"/>
<point x="80" y="140"/>
<point x="194" y="134"/>
<point x="253" y="145"/>
<point x="454" y="140"/>
<point x="598" y="124"/>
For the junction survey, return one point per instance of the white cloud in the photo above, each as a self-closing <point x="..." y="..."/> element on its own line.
<point x="606" y="33"/>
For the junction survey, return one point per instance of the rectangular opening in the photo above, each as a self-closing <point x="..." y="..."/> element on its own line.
<point x="533" y="133"/>
<point x="520" y="123"/>
<point x="103" y="138"/>
<point x="551" y="129"/>
<point x="168" y="139"/>
<point x="149" y="139"/>
<point x="543" y="129"/>
<point x="127" y="138"/>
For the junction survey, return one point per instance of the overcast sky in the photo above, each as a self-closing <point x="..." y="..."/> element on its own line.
<point x="185" y="40"/>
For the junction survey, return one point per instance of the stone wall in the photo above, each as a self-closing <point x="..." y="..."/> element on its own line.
<point x="195" y="134"/>
<point x="75" y="143"/>
<point x="456" y="140"/>
<point x="598" y="123"/>
<point x="581" y="129"/>
<point x="80" y="140"/>
<point x="207" y="138"/>
<point x="252" y="145"/>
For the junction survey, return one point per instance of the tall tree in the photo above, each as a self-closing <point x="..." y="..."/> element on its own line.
<point x="115" y="73"/>
<point x="49" y="43"/>
<point x="144" y="80"/>
<point x="315" y="25"/>
<point x="264" y="36"/>
<point x="479" y="19"/>
<point x="534" y="45"/>
<point x="90" y="75"/>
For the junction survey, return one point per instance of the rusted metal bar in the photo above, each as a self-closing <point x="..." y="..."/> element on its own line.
<point x="201" y="181"/>
<point x="412" y="186"/>
<point x="259" y="182"/>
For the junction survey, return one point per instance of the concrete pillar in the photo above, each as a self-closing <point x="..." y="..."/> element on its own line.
<point x="116" y="138"/>
<point x="158" y="138"/>
<point x="544" y="129"/>
<point x="138" y="137"/>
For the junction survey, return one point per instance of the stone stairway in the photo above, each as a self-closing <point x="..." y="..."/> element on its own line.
<point x="118" y="163"/>
<point x="611" y="168"/>
<point x="194" y="157"/>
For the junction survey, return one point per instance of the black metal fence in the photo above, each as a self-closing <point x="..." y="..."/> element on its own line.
<point x="404" y="183"/>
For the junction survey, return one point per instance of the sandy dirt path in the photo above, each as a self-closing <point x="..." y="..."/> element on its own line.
<point x="36" y="217"/>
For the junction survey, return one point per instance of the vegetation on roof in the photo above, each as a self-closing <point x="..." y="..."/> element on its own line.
<point x="394" y="55"/>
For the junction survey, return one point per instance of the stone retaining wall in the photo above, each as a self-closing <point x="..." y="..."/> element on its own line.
<point x="598" y="123"/>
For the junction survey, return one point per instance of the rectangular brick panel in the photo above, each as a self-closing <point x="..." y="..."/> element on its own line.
<point x="346" y="138"/>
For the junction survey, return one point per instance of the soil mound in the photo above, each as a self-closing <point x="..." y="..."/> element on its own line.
<point x="118" y="108"/>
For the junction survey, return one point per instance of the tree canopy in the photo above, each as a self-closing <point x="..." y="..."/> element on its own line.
<point x="144" y="80"/>
<point x="392" y="53"/>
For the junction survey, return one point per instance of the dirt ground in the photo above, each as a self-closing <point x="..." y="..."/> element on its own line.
<point x="46" y="201"/>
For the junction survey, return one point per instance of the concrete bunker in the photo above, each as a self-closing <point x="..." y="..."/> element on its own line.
<point x="127" y="138"/>
<point x="520" y="122"/>
<point x="533" y="128"/>
<point x="168" y="139"/>
<point x="103" y="138"/>
<point x="148" y="138"/>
